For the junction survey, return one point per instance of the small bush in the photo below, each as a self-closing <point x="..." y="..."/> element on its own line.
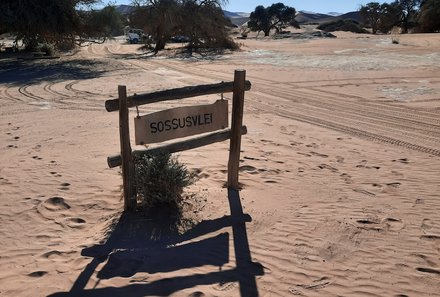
<point x="47" y="48"/>
<point x="160" y="179"/>
<point x="395" y="31"/>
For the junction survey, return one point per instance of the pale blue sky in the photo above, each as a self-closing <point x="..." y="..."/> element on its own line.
<point x="322" y="6"/>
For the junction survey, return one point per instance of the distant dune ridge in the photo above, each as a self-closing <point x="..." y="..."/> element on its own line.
<point x="302" y="17"/>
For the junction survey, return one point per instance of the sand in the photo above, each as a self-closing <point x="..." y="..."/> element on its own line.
<point x="339" y="172"/>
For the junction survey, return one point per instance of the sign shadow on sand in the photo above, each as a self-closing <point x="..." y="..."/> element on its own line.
<point x="148" y="243"/>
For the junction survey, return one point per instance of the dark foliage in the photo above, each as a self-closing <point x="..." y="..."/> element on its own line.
<point x="342" y="25"/>
<point x="402" y="13"/>
<point x="381" y="17"/>
<point x="408" y="10"/>
<point x="60" y="22"/>
<point x="277" y="16"/>
<point x="200" y="22"/>
<point x="429" y="17"/>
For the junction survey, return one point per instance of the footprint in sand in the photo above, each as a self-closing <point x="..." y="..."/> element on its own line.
<point x="4" y="181"/>
<point x="270" y="181"/>
<point x="304" y="154"/>
<point x="37" y="158"/>
<point x="403" y="160"/>
<point x="427" y="224"/>
<point x="370" y="225"/>
<point x="51" y="254"/>
<point x="55" y="174"/>
<point x="312" y="145"/>
<point x="65" y="187"/>
<point x="418" y="201"/>
<point x="55" y="204"/>
<point x="37" y="274"/>
<point x="319" y="155"/>
<point x="430" y="237"/>
<point x="225" y="286"/>
<point x="295" y="143"/>
<point x="315" y="286"/>
<point x="203" y="175"/>
<point x="390" y="187"/>
<point x="365" y="192"/>
<point x="248" y="169"/>
<point x="386" y="224"/>
<point x="429" y="270"/>
<point x="393" y="224"/>
<point x="295" y="291"/>
<point x="426" y="259"/>
<point x="75" y="223"/>
<point x="326" y="166"/>
<point x="340" y="159"/>
<point x="368" y="221"/>
<point x="197" y="294"/>
<point x="56" y="255"/>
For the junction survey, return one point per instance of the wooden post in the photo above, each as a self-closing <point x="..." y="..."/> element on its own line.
<point x="237" y="120"/>
<point x="127" y="160"/>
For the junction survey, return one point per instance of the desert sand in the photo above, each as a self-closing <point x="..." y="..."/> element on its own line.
<point x="339" y="171"/>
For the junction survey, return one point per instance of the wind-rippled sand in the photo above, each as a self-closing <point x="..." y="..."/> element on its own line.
<point x="340" y="174"/>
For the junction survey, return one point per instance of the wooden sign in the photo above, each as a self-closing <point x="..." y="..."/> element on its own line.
<point x="181" y="122"/>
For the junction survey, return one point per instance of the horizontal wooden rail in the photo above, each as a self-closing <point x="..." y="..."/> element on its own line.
<point x="218" y="136"/>
<point x="173" y="94"/>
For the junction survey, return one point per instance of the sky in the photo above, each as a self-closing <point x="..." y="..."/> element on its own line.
<point x="321" y="6"/>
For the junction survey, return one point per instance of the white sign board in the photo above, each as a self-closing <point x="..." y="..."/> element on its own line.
<point x="181" y="122"/>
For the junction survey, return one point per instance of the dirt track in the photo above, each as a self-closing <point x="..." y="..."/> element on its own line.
<point x="395" y="106"/>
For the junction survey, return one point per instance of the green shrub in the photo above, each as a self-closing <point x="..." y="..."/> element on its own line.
<point x="160" y="179"/>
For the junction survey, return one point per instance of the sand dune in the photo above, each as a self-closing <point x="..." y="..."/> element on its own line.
<point x="339" y="170"/>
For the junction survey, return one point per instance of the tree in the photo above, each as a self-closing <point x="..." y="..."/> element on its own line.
<point x="108" y="21"/>
<point x="383" y="17"/>
<point x="205" y="25"/>
<point x="408" y="13"/>
<point x="429" y="16"/>
<point x="371" y="13"/>
<point x="161" y="21"/>
<point x="390" y="16"/>
<point x="202" y="21"/>
<point x="277" y="16"/>
<point x="282" y="16"/>
<point x="259" y="20"/>
<point x="56" y="22"/>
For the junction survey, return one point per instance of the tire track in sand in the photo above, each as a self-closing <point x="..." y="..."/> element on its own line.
<point x="423" y="123"/>
<point x="348" y="130"/>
